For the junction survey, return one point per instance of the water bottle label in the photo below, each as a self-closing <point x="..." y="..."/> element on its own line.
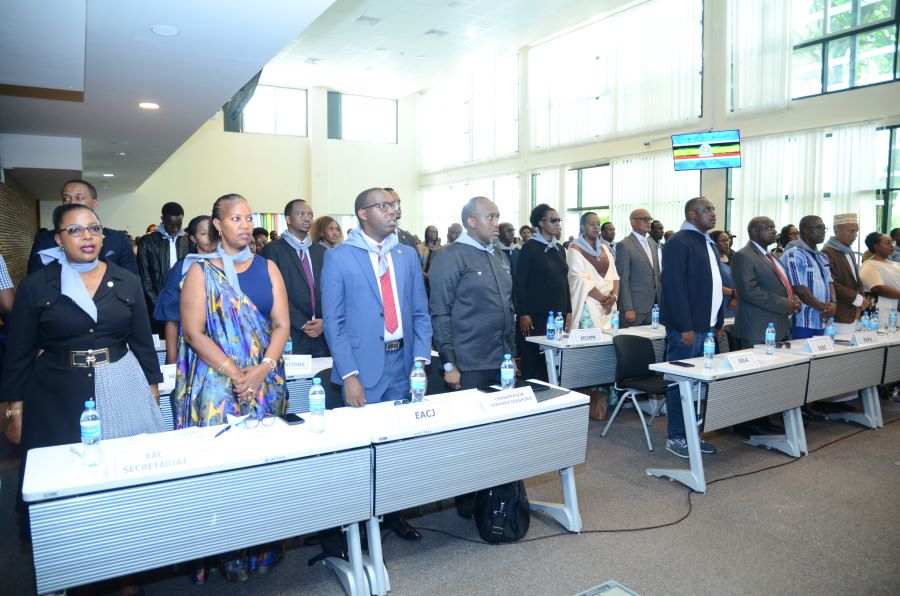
<point x="90" y="429"/>
<point x="418" y="384"/>
<point x="770" y="336"/>
<point x="507" y="375"/>
<point x="709" y="349"/>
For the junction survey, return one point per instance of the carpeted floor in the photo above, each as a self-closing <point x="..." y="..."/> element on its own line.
<point x="825" y="524"/>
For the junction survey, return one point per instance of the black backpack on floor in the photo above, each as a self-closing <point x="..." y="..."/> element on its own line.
<point x="501" y="512"/>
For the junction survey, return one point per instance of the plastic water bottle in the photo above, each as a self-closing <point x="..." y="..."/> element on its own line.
<point x="90" y="435"/>
<point x="709" y="350"/>
<point x="654" y="317"/>
<point x="289" y="346"/>
<point x="507" y="373"/>
<point x="551" y="326"/>
<point x="614" y="323"/>
<point x="864" y="321"/>
<point x="873" y="322"/>
<point x="418" y="382"/>
<point x="892" y="321"/>
<point x="585" y="322"/>
<point x="558" y="324"/>
<point x="316" y="406"/>
<point x="830" y="331"/>
<point x="770" y="339"/>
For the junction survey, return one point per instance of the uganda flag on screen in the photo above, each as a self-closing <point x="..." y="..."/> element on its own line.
<point x="705" y="150"/>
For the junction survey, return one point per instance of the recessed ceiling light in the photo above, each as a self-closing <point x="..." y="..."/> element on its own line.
<point x="313" y="61"/>
<point x="164" y="30"/>
<point x="148" y="105"/>
<point x="364" y="20"/>
<point x="108" y="175"/>
<point x="121" y="154"/>
<point x="381" y="50"/>
<point x="439" y="33"/>
<point x="421" y="56"/>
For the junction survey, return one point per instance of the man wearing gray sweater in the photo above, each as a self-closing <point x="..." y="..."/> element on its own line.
<point x="471" y="300"/>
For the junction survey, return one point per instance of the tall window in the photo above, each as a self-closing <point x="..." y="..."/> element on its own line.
<point x="361" y="118"/>
<point x="587" y="189"/>
<point x="888" y="161"/>
<point x="471" y="117"/>
<point x="602" y="80"/>
<point x="841" y="44"/>
<point x="442" y="205"/>
<point x="276" y="110"/>
<point x="544" y="188"/>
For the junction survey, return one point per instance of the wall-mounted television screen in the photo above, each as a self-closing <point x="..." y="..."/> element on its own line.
<point x="707" y="150"/>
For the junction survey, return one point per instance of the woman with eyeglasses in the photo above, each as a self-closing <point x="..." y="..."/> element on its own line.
<point x="542" y="285"/>
<point x="729" y="293"/>
<point x="79" y="330"/>
<point x="235" y="323"/>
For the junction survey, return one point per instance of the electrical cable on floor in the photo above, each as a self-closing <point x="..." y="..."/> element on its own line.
<point x="690" y="505"/>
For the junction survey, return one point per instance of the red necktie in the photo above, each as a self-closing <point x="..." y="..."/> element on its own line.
<point x="387" y="297"/>
<point x="787" y="286"/>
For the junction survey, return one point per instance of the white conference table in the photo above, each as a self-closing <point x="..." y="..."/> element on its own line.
<point x="467" y="449"/>
<point x="183" y="495"/>
<point x="592" y="363"/>
<point x="732" y="397"/>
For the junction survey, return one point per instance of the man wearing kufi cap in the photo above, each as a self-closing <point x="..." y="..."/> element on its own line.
<point x="845" y="273"/>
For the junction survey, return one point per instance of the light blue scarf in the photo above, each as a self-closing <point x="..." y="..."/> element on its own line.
<point x="464" y="238"/>
<point x="582" y="243"/>
<point x="358" y="239"/>
<point x="548" y="244"/>
<point x="162" y="230"/>
<point x="70" y="281"/>
<point x="228" y="262"/>
<point x="297" y="244"/>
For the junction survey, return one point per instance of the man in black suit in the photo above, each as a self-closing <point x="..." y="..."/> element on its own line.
<point x="765" y="294"/>
<point x="299" y="260"/>
<point x="403" y="236"/>
<point x="115" y="248"/>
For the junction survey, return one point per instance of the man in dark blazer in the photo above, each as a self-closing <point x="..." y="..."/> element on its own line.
<point x="376" y="313"/>
<point x="691" y="303"/>
<point x="637" y="261"/>
<point x="402" y="235"/>
<point x="765" y="294"/>
<point x="300" y="260"/>
<point x="115" y="248"/>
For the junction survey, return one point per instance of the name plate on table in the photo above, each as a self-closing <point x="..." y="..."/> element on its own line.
<point x="146" y="462"/>
<point x="519" y="398"/>
<point x="819" y="345"/>
<point x="297" y="365"/>
<point x="584" y="336"/>
<point x="742" y="360"/>
<point x="423" y="414"/>
<point x="864" y="338"/>
<point x="168" y="382"/>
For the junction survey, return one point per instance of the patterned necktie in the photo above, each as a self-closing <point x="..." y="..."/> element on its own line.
<point x="387" y="297"/>
<point x="787" y="286"/>
<point x="307" y="271"/>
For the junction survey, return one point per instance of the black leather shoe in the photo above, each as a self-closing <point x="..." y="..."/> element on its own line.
<point x="402" y="529"/>
<point x="748" y="429"/>
<point x="770" y="427"/>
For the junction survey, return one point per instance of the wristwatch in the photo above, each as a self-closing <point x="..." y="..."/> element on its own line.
<point x="10" y="412"/>
<point x="449" y="366"/>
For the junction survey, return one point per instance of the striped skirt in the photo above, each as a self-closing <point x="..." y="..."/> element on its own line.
<point x="124" y="402"/>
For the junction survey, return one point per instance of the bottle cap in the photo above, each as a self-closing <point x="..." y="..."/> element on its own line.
<point x="506" y="356"/>
<point x="89" y="404"/>
<point x="418" y="364"/>
<point x="317" y="381"/>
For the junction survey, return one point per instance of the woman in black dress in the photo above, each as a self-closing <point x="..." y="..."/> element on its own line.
<point x="542" y="285"/>
<point x="79" y="330"/>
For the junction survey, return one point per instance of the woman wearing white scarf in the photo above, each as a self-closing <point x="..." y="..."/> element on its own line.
<point x="592" y="291"/>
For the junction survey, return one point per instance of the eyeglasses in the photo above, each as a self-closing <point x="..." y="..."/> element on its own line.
<point x="819" y="228"/>
<point x="643" y="219"/>
<point x="385" y="207"/>
<point x="255" y="416"/>
<point x="553" y="220"/>
<point x="76" y="230"/>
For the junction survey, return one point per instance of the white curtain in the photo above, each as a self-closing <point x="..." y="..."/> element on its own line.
<point x="760" y="50"/>
<point x="650" y="182"/>
<point x="855" y="176"/>
<point x="780" y="177"/>
<point x="634" y="71"/>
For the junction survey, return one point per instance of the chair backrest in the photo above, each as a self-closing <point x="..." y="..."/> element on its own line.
<point x="334" y="395"/>
<point x="634" y="354"/>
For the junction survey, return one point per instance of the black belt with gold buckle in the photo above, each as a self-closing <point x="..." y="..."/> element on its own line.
<point x="393" y="345"/>
<point x="94" y="358"/>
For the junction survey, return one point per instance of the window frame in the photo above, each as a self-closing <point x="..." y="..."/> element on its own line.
<point x="275" y="132"/>
<point x="850" y="34"/>
<point x="336" y="120"/>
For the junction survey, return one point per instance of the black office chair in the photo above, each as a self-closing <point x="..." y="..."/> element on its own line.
<point x="334" y="397"/>
<point x="634" y="355"/>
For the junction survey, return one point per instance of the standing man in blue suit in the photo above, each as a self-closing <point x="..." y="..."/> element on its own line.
<point x="691" y="303"/>
<point x="376" y="313"/>
<point x="374" y="305"/>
